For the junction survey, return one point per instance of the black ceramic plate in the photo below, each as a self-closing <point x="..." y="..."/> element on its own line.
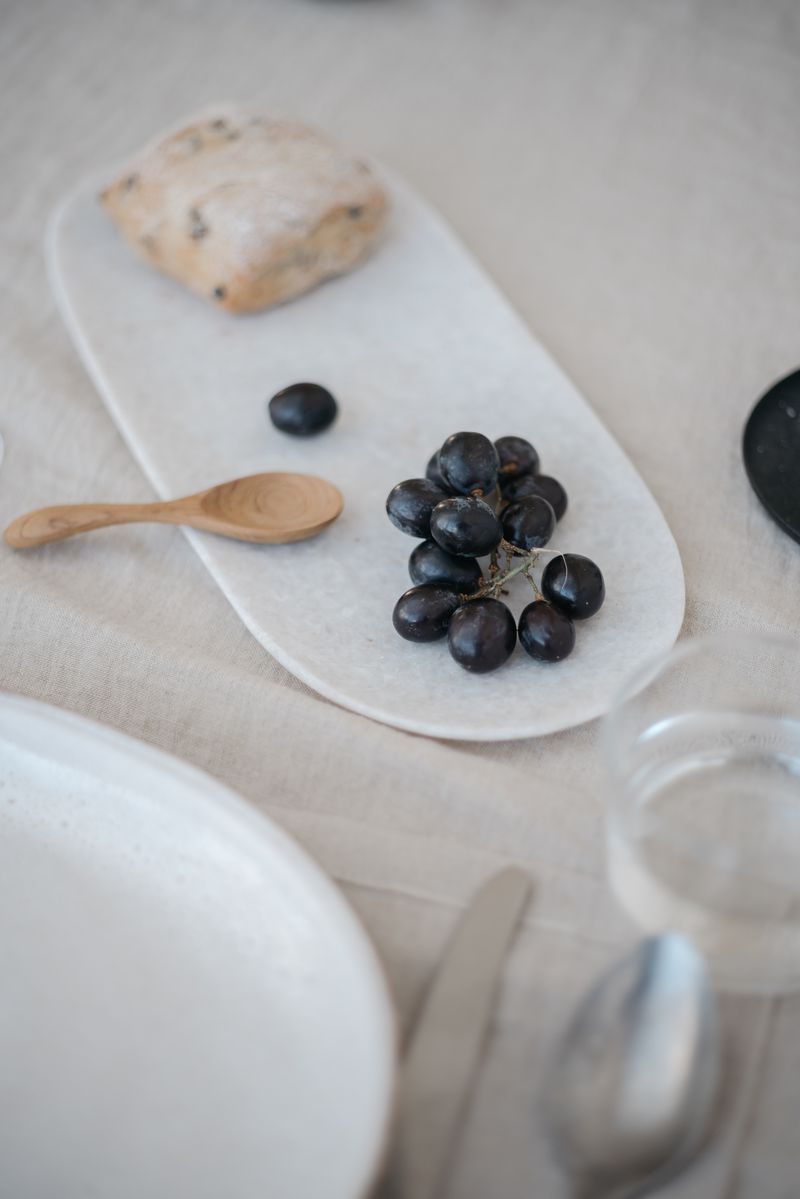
<point x="771" y="452"/>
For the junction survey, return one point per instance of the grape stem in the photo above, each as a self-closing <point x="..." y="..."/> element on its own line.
<point x="495" y="585"/>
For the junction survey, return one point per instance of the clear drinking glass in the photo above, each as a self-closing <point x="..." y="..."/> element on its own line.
<point x="703" y="814"/>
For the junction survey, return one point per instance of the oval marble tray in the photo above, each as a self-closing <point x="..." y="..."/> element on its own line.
<point x="416" y="344"/>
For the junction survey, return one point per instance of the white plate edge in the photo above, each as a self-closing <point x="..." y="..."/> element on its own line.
<point x="210" y="790"/>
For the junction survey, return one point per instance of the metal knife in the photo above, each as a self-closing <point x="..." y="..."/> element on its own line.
<point x="446" y="1040"/>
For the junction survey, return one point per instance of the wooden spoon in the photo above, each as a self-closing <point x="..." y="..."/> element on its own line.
<point x="275" y="508"/>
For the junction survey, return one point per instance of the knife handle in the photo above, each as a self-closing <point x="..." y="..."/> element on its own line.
<point x="447" y="1038"/>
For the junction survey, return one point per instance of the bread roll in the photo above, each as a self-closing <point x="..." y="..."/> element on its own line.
<point x="246" y="210"/>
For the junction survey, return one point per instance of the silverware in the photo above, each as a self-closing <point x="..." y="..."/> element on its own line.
<point x="633" y="1086"/>
<point x="446" y="1041"/>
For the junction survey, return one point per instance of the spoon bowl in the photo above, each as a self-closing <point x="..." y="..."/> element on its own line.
<point x="272" y="508"/>
<point x="634" y="1083"/>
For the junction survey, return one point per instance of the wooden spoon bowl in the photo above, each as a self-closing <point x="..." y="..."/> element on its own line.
<point x="273" y="508"/>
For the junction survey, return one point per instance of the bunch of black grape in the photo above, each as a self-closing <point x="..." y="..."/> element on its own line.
<point x="487" y="498"/>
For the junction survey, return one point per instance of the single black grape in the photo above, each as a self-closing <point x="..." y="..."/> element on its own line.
<point x="517" y="457"/>
<point x="543" y="485"/>
<point x="482" y="635"/>
<point x="302" y="409"/>
<point x="545" y="633"/>
<point x="423" y="613"/>
<point x="429" y="563"/>
<point x="466" y="526"/>
<point x="409" y="506"/>
<point x="433" y="473"/>
<point x="529" y="523"/>
<point x="468" y="462"/>
<point x="574" y="585"/>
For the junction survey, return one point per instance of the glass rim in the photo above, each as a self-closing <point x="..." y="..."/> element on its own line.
<point x="652" y="899"/>
<point x="683" y="650"/>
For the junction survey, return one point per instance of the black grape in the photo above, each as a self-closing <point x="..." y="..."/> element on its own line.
<point x="529" y="523"/>
<point x="574" y="585"/>
<point x="409" y="506"/>
<point x="543" y="485"/>
<point x="482" y="635"/>
<point x="423" y="613"/>
<point x="466" y="526"/>
<point x="429" y="563"/>
<point x="545" y="633"/>
<point x="517" y="457"/>
<point x="468" y="462"/>
<point x="302" y="409"/>
<point x="433" y="473"/>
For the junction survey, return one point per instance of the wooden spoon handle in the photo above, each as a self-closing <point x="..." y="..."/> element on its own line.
<point x="65" y="520"/>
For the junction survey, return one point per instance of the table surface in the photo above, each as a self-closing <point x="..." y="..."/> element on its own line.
<point x="628" y="173"/>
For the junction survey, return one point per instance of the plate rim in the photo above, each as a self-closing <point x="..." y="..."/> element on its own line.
<point x="203" y="788"/>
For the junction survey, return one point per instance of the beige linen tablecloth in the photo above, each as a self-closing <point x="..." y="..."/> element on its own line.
<point x="629" y="173"/>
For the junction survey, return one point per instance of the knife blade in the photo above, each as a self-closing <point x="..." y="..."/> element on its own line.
<point x="448" y="1035"/>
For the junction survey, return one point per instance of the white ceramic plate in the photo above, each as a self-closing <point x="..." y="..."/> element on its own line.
<point x="416" y="344"/>
<point x="188" y="1007"/>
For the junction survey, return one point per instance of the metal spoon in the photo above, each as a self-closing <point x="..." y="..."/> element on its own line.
<point x="276" y="508"/>
<point x="633" y="1085"/>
